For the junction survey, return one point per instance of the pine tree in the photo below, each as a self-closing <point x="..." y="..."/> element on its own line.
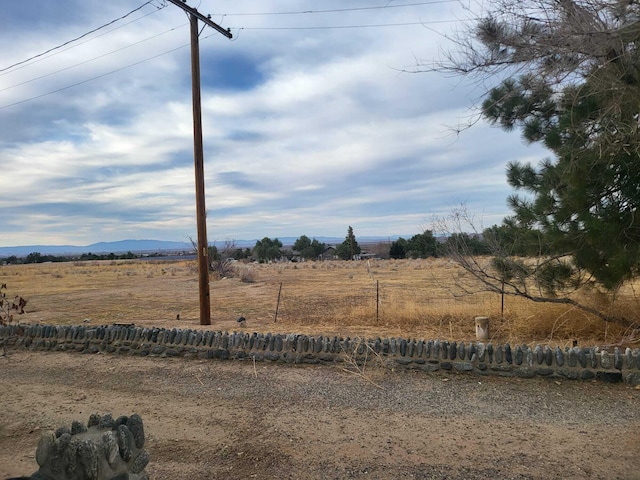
<point x="349" y="248"/>
<point x="573" y="84"/>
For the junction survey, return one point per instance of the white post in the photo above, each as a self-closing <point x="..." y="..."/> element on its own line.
<point x="482" y="328"/>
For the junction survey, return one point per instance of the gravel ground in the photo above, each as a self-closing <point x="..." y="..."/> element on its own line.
<point x="237" y="420"/>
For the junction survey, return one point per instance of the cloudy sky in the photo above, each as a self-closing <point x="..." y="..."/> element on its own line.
<point x="310" y="125"/>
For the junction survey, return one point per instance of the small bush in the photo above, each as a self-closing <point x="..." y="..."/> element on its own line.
<point x="8" y="308"/>
<point x="248" y="275"/>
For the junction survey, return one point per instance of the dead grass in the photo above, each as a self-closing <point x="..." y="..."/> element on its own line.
<point x="409" y="298"/>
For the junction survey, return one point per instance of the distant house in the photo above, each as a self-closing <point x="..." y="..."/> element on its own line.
<point x="294" y="256"/>
<point x="328" y="253"/>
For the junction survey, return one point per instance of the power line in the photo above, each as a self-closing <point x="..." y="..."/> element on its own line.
<point x="339" y="10"/>
<point x="92" y="59"/>
<point x="2" y="107"/>
<point x="333" y="27"/>
<point x="327" y="27"/>
<point x="77" y="38"/>
<point x="82" y="43"/>
<point x="92" y="78"/>
<point x="163" y="5"/>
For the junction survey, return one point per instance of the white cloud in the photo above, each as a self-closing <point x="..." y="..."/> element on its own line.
<point x="305" y="131"/>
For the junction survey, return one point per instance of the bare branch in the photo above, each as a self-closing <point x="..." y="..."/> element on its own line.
<point x="516" y="276"/>
<point x="556" y="40"/>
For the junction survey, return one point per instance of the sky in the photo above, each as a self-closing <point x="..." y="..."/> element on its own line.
<point x="312" y="122"/>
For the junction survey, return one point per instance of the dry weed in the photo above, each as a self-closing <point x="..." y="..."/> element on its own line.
<point x="402" y="298"/>
<point x="363" y="362"/>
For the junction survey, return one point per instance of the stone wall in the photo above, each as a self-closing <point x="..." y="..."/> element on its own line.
<point x="398" y="353"/>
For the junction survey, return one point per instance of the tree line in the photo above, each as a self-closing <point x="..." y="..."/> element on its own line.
<point x="37" y="257"/>
<point x="422" y="245"/>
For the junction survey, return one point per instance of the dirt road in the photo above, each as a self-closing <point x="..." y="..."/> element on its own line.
<point x="237" y="420"/>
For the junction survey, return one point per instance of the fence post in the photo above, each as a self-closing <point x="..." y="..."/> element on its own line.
<point x="377" y="300"/>
<point x="275" y="318"/>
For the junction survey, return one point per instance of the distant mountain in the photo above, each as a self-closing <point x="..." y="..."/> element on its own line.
<point x="160" y="246"/>
<point x="122" y="246"/>
<point x="138" y="246"/>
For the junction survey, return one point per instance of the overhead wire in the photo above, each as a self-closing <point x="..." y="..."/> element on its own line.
<point x="342" y="10"/>
<point x="338" y="10"/>
<point x="329" y="27"/>
<point x="92" y="78"/>
<point x="92" y="59"/>
<point x="77" y="44"/>
<point x="57" y="47"/>
<point x="334" y="27"/>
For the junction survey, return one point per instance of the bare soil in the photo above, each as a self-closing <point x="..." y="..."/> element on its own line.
<point x="239" y="420"/>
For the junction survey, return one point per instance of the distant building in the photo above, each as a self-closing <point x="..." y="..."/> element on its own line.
<point x="328" y="253"/>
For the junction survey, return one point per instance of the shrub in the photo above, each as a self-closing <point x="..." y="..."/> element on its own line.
<point x="10" y="307"/>
<point x="248" y="275"/>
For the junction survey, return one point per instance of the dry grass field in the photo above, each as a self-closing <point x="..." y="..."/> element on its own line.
<point x="410" y="298"/>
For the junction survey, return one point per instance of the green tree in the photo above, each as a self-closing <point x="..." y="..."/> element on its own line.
<point x="422" y="245"/>
<point x="399" y="248"/>
<point x="34" y="257"/>
<point x="513" y="240"/>
<point x="349" y="248"/>
<point x="302" y="243"/>
<point x="213" y="254"/>
<point x="317" y="247"/>
<point x="572" y="84"/>
<point x="267" y="249"/>
<point x="473" y="243"/>
<point x="309" y="249"/>
<point x="584" y="200"/>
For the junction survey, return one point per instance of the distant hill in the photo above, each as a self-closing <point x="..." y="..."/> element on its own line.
<point x="160" y="246"/>
<point x="122" y="246"/>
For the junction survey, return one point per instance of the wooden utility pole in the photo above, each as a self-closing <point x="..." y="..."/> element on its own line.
<point x="198" y="158"/>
